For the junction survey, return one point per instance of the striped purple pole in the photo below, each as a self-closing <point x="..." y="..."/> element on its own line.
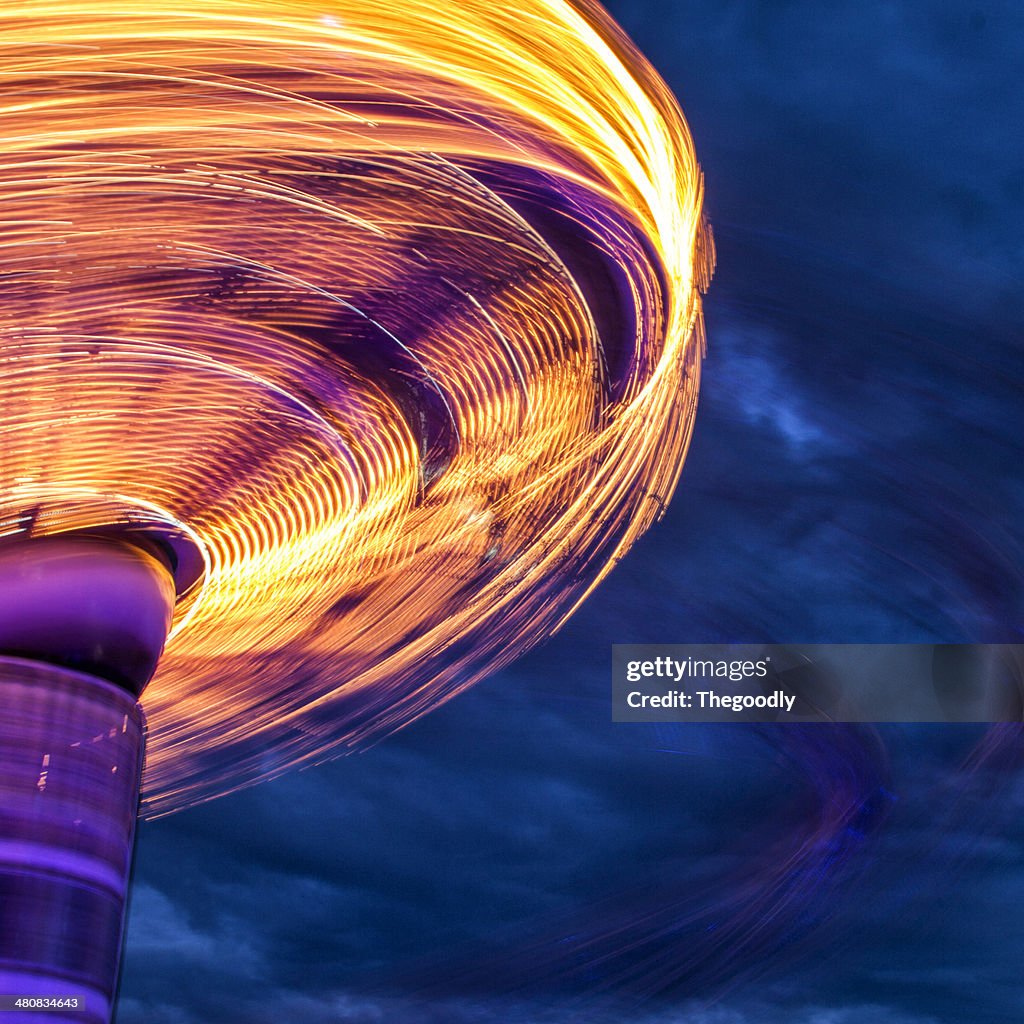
<point x="70" y="766"/>
<point x="82" y="624"/>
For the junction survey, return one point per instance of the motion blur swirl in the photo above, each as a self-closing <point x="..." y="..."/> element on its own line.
<point x="392" y="310"/>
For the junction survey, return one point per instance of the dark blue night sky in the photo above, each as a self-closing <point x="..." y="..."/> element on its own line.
<point x="855" y="476"/>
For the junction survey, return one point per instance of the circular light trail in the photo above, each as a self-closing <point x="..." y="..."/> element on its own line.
<point x="391" y="311"/>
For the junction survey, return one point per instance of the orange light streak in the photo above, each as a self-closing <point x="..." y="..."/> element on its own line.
<point x="393" y="308"/>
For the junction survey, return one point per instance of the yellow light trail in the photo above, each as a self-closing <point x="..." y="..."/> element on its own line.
<point x="393" y="308"/>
